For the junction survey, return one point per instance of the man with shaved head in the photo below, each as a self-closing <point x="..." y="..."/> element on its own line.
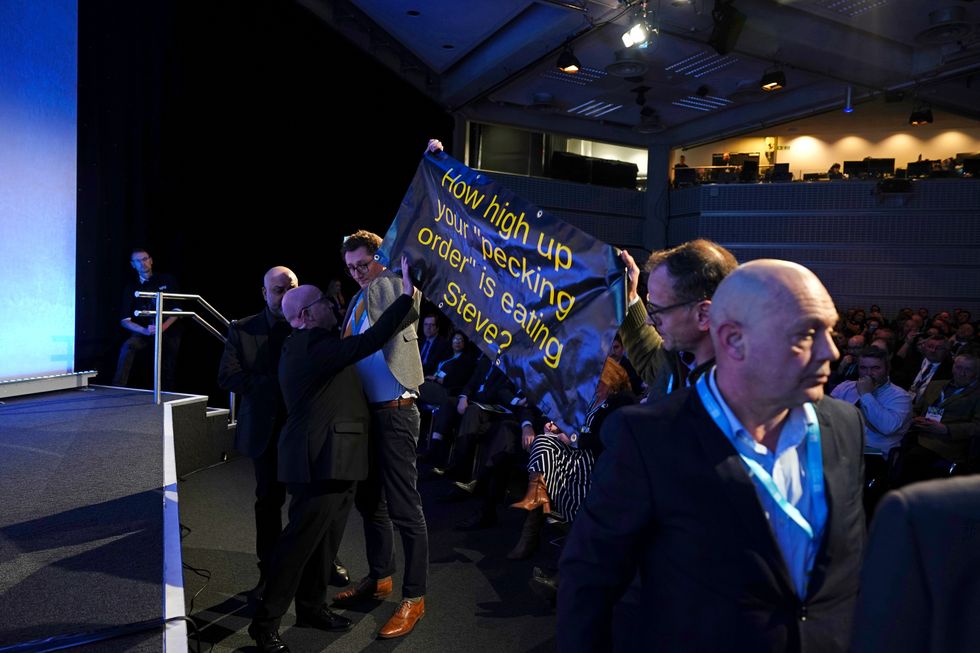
<point x="323" y="451"/>
<point x="739" y="499"/>
<point x="249" y="368"/>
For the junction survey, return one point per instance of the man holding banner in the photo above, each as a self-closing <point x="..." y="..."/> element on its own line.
<point x="389" y="496"/>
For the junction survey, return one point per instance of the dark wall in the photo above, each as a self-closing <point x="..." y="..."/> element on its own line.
<point x="227" y="137"/>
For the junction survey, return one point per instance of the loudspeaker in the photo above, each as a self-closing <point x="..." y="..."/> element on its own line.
<point x="728" y="26"/>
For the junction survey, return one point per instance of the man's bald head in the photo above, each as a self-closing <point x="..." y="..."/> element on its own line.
<point x="275" y="283"/>
<point x="305" y="308"/>
<point x="772" y="325"/>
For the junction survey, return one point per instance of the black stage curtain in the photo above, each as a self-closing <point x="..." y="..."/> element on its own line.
<point x="226" y="137"/>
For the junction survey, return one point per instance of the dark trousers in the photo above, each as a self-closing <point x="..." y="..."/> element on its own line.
<point x="303" y="557"/>
<point x="137" y="343"/>
<point x="389" y="496"/>
<point x="270" y="495"/>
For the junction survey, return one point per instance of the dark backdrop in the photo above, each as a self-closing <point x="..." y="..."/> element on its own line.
<point x="226" y="137"/>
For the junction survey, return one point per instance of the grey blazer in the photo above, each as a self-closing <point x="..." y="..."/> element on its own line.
<point x="401" y="352"/>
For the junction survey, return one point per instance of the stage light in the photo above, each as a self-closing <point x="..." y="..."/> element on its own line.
<point x="848" y="107"/>
<point x="921" y="116"/>
<point x="773" y="80"/>
<point x="568" y="62"/>
<point x="641" y="32"/>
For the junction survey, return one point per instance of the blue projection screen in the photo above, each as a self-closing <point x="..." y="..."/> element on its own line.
<point x="38" y="108"/>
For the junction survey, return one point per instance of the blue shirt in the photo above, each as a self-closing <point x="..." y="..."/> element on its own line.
<point x="788" y="467"/>
<point x="378" y="381"/>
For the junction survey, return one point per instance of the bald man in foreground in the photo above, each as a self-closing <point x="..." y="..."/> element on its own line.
<point x="249" y="368"/>
<point x="739" y="499"/>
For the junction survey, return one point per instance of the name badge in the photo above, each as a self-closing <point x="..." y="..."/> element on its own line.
<point x="934" y="414"/>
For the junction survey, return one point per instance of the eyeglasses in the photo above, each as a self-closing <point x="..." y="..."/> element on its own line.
<point x="653" y="310"/>
<point x="359" y="268"/>
<point x="311" y="304"/>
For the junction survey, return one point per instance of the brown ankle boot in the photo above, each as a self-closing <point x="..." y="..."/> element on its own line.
<point x="537" y="494"/>
<point x="530" y="536"/>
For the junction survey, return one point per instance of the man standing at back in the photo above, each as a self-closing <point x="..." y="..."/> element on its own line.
<point x="389" y="496"/>
<point x="250" y="369"/>
<point x="739" y="499"/>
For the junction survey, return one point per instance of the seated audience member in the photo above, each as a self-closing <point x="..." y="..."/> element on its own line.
<point x="920" y="583"/>
<point x="963" y="316"/>
<point x="618" y="354"/>
<point x="947" y="419"/>
<point x="501" y="456"/>
<point x="487" y="397"/>
<point x="433" y="348"/>
<point x="441" y="388"/>
<point x="887" y="409"/>
<point x="560" y="466"/>
<point x="936" y="365"/>
<point x="847" y="366"/>
<point x="834" y="172"/>
<point x="963" y="338"/>
<point x="854" y="325"/>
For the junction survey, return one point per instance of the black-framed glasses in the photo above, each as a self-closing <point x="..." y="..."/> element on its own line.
<point x="654" y="311"/>
<point x="313" y="303"/>
<point x="359" y="268"/>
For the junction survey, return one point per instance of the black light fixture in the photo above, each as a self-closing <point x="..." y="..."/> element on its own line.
<point x="921" y="115"/>
<point x="568" y="62"/>
<point x="772" y="80"/>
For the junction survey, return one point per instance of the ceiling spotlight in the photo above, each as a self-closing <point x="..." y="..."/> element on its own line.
<point x="848" y="107"/>
<point x="773" y="80"/>
<point x="641" y="31"/>
<point x="568" y="62"/>
<point x="922" y="115"/>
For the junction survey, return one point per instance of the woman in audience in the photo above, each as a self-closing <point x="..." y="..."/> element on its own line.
<point x="560" y="465"/>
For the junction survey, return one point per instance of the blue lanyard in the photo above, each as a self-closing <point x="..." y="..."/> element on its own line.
<point x="439" y="369"/>
<point x="814" y="456"/>
<point x="942" y="393"/>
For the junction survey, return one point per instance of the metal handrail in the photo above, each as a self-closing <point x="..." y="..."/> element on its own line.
<point x="158" y="314"/>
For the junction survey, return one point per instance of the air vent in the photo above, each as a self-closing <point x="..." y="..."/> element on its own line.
<point x="701" y="64"/>
<point x="706" y="103"/>
<point x="850" y="7"/>
<point x="594" y="108"/>
<point x="583" y="77"/>
<point x="627" y="64"/>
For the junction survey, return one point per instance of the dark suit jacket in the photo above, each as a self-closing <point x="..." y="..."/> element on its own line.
<point x="249" y="368"/>
<point x="920" y="585"/>
<point x="671" y="497"/>
<point x="326" y="432"/>
<point x="961" y="415"/>
<point x="440" y="350"/>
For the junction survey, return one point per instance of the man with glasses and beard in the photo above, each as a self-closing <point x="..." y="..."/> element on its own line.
<point x="673" y="352"/>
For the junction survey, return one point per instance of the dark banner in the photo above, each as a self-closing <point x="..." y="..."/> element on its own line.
<point x="520" y="282"/>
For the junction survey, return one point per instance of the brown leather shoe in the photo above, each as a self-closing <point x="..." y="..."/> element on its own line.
<point x="366" y="588"/>
<point x="404" y="619"/>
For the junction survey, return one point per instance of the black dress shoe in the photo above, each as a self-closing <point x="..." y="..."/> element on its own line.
<point x="339" y="577"/>
<point x="545" y="587"/>
<point x="267" y="640"/>
<point x="323" y="619"/>
<point x="483" y="518"/>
